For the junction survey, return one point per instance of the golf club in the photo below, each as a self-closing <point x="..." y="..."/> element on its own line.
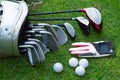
<point x="45" y="26"/>
<point x="93" y="15"/>
<point x="43" y="47"/>
<point x="59" y="33"/>
<point x="32" y="53"/>
<point x="69" y="29"/>
<point x="48" y="38"/>
<point x="38" y="48"/>
<point x="85" y="23"/>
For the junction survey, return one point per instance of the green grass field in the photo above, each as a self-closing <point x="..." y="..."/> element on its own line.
<point x="107" y="68"/>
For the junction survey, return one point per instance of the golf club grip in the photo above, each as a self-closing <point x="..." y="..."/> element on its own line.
<point x="59" y="12"/>
<point x="49" y="19"/>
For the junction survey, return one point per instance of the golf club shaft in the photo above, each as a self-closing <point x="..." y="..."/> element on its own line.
<point x="50" y="19"/>
<point x="59" y="12"/>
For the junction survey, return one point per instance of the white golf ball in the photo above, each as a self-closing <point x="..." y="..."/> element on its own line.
<point x="58" y="67"/>
<point x="84" y="63"/>
<point x="80" y="71"/>
<point x="73" y="62"/>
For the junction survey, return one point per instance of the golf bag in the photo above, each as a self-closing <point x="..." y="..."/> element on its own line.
<point x="18" y="36"/>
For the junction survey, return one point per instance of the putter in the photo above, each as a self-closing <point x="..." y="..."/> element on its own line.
<point x="78" y="19"/>
<point x="60" y="35"/>
<point x="93" y="15"/>
<point x="48" y="39"/>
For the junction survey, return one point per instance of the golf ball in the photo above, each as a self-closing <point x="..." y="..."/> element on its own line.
<point x="73" y="62"/>
<point x="84" y="63"/>
<point x="58" y="67"/>
<point x="80" y="71"/>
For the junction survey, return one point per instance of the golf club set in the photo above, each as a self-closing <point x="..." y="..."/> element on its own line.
<point x="18" y="35"/>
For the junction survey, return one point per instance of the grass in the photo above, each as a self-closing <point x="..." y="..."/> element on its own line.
<point x="107" y="68"/>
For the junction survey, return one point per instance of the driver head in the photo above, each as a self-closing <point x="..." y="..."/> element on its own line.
<point x="95" y="18"/>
